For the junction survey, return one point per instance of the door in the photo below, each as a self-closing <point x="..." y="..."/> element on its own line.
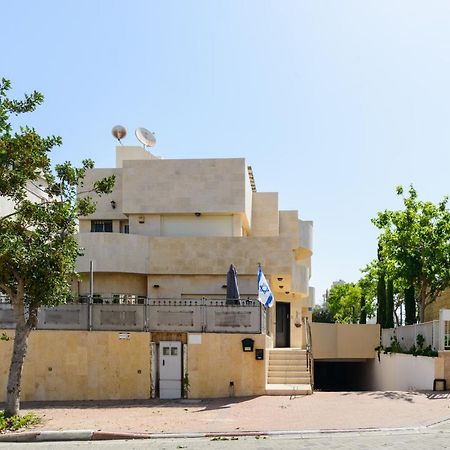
<point x="283" y="328"/>
<point x="169" y="369"/>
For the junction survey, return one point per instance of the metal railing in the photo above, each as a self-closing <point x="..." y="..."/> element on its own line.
<point x="129" y="312"/>
<point x="309" y="353"/>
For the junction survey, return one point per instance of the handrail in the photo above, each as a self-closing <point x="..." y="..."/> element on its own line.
<point x="309" y="353"/>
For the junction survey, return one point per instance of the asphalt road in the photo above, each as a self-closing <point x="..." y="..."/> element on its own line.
<point x="420" y="438"/>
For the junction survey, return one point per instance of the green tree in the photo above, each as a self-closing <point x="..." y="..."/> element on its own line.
<point x="38" y="249"/>
<point x="322" y="314"/>
<point x="344" y="302"/>
<point x="415" y="247"/>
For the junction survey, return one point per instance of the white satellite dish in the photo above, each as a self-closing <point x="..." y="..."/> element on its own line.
<point x="119" y="132"/>
<point x="145" y="137"/>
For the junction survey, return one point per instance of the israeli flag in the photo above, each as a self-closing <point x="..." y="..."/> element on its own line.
<point x="265" y="295"/>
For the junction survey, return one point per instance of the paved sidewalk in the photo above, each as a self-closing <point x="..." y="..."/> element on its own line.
<point x="320" y="411"/>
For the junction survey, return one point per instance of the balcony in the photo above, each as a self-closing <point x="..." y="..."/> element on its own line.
<point x="125" y="312"/>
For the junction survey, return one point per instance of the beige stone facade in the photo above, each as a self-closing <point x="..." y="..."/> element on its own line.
<point x="171" y="229"/>
<point x="442" y="302"/>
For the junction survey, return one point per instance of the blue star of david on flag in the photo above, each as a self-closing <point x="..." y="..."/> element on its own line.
<point x="265" y="295"/>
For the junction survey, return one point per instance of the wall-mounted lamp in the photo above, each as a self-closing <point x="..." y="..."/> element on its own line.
<point x="287" y="292"/>
<point x="113" y="204"/>
<point x="280" y="279"/>
<point x="224" y="286"/>
<point x="198" y="214"/>
<point x="156" y="286"/>
<point x="141" y="219"/>
<point x="281" y="287"/>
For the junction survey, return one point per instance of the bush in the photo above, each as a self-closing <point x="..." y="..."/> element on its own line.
<point x="416" y="349"/>
<point x="14" y="423"/>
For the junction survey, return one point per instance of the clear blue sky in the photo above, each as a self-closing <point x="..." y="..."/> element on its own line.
<point x="333" y="103"/>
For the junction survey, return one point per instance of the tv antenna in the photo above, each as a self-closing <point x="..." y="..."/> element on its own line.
<point x="119" y="132"/>
<point x="145" y="137"/>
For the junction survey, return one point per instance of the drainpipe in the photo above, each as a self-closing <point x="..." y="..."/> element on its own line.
<point x="91" y="293"/>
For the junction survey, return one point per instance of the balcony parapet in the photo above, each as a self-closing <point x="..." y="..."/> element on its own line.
<point x="147" y="314"/>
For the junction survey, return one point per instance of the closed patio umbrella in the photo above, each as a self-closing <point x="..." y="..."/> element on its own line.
<point x="232" y="287"/>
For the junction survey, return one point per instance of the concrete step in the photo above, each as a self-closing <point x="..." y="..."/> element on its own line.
<point x="288" y="389"/>
<point x="288" y="380"/>
<point x="286" y="356"/>
<point x="288" y="373"/>
<point x="287" y="362"/>
<point x="288" y="367"/>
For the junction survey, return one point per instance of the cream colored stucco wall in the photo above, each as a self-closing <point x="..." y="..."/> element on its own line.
<point x="265" y="215"/>
<point x="114" y="283"/>
<point x="177" y="286"/>
<point x="104" y="210"/>
<point x="81" y="365"/>
<point x="132" y="152"/>
<point x="219" y="359"/>
<point x="344" y="341"/>
<point x="400" y="372"/>
<point x="115" y="252"/>
<point x="191" y="225"/>
<point x="184" y="186"/>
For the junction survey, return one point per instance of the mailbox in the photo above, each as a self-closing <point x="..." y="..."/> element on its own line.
<point x="259" y="354"/>
<point x="247" y="345"/>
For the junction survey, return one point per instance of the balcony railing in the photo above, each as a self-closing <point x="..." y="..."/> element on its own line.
<point x="127" y="312"/>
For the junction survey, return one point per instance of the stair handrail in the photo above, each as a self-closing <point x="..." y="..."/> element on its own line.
<point x="309" y="353"/>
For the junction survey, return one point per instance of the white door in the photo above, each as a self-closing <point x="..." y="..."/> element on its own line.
<point x="169" y="369"/>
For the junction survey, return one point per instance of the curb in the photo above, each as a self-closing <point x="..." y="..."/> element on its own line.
<point x="92" y="435"/>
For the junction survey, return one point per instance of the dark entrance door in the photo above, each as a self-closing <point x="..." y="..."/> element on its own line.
<point x="283" y="314"/>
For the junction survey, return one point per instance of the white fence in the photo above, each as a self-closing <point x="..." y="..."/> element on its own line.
<point x="407" y="335"/>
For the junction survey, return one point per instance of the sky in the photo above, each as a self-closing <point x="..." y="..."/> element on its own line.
<point x="333" y="103"/>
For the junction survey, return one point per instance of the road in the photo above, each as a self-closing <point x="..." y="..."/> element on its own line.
<point x="413" y="439"/>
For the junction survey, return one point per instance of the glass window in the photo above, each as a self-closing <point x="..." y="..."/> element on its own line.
<point x="166" y="351"/>
<point x="101" y="226"/>
<point x="174" y="351"/>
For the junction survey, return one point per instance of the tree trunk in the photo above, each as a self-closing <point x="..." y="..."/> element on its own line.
<point x="389" y="321"/>
<point x="23" y="328"/>
<point x="15" y="369"/>
<point x="410" y="306"/>
<point x="381" y="297"/>
<point x="363" y="314"/>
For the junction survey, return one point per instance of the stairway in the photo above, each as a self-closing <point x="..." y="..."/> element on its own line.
<point x="288" y="373"/>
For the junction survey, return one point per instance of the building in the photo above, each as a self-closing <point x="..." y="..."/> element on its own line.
<point x="159" y="247"/>
<point x="171" y="229"/>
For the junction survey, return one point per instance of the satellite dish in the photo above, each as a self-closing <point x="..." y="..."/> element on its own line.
<point x="145" y="137"/>
<point x="119" y="132"/>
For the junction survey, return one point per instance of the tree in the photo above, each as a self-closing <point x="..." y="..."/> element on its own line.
<point x="322" y="314"/>
<point x="389" y="311"/>
<point x="38" y="249"/>
<point x="344" y="302"/>
<point x="415" y="247"/>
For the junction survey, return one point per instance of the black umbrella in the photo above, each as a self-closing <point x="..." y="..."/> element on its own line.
<point x="232" y="287"/>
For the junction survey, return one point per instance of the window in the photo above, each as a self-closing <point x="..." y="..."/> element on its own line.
<point x="124" y="227"/>
<point x="101" y="226"/>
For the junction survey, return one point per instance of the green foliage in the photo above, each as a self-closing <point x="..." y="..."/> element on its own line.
<point x="322" y="314"/>
<point x="14" y="423"/>
<point x="344" y="302"/>
<point x="415" y="246"/>
<point x="416" y="350"/>
<point x="38" y="248"/>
